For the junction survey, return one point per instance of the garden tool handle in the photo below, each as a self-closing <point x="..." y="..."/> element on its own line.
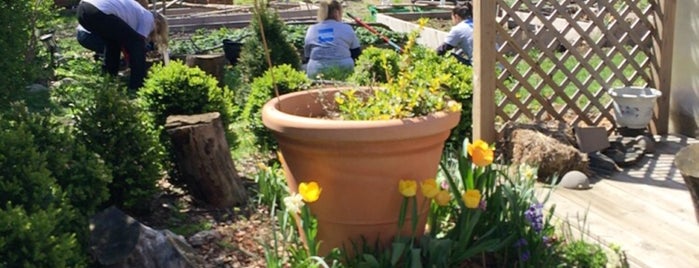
<point x="374" y="31"/>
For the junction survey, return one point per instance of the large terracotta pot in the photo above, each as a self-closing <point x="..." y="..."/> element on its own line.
<point x="357" y="163"/>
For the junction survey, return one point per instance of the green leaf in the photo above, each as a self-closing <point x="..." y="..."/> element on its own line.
<point x="397" y="250"/>
<point x="415" y="261"/>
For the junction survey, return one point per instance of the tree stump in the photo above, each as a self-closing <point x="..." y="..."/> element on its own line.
<point x="204" y="159"/>
<point x="210" y="63"/>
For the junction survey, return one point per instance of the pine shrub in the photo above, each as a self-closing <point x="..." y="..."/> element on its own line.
<point x="113" y="127"/>
<point x="287" y="80"/>
<point x="36" y="219"/>
<point x="253" y="61"/>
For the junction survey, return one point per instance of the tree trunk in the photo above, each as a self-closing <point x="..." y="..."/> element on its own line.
<point x="204" y="159"/>
<point x="210" y="63"/>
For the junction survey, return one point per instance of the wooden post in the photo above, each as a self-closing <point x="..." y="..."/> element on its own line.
<point x="484" y="70"/>
<point x="212" y="64"/>
<point x="664" y="19"/>
<point x="204" y="159"/>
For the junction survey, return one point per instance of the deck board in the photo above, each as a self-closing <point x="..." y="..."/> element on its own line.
<point x="645" y="209"/>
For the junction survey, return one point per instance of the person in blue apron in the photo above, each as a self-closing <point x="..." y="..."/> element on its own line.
<point x="330" y="43"/>
<point x="460" y="37"/>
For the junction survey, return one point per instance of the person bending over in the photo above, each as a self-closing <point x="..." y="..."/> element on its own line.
<point x="124" y="24"/>
<point x="460" y="36"/>
<point x="330" y="43"/>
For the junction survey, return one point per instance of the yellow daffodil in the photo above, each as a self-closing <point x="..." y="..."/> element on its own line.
<point x="472" y="198"/>
<point x="429" y="188"/>
<point x="407" y="188"/>
<point x="310" y="191"/>
<point x="442" y="198"/>
<point x="293" y="203"/>
<point x="481" y="154"/>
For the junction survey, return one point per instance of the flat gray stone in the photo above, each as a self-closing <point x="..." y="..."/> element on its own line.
<point x="575" y="180"/>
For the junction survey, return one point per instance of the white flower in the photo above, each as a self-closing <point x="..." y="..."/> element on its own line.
<point x="528" y="172"/>
<point x="294" y="203"/>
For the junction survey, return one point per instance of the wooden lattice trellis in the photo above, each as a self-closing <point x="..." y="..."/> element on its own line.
<point x="557" y="59"/>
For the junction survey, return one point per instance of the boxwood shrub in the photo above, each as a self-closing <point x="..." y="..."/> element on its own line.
<point x="287" y="80"/>
<point x="112" y="125"/>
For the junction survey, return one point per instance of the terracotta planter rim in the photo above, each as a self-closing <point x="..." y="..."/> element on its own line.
<point x="295" y="125"/>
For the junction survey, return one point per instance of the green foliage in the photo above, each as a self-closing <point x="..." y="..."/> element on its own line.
<point x="415" y="91"/>
<point x="287" y="79"/>
<point x="271" y="185"/>
<point x="580" y="253"/>
<point x="81" y="174"/>
<point x="37" y="222"/>
<point x="375" y="66"/>
<point x="20" y="21"/>
<point x="296" y="35"/>
<point x="176" y="89"/>
<point x="35" y="240"/>
<point x="253" y="61"/>
<point x="112" y="126"/>
<point x="378" y="66"/>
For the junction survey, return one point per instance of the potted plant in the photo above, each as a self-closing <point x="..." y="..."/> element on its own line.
<point x="358" y="143"/>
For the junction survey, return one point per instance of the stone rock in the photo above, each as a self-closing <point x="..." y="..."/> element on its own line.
<point x="118" y="240"/>
<point x="204" y="237"/>
<point x="36" y="88"/>
<point x="646" y="142"/>
<point x="575" y="180"/>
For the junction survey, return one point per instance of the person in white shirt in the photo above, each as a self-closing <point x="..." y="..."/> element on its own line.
<point x="460" y="36"/>
<point x="330" y="43"/>
<point x="124" y="24"/>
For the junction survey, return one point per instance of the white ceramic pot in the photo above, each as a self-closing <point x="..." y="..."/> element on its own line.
<point x="633" y="106"/>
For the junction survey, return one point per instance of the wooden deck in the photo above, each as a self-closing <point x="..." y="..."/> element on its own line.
<point x="645" y="209"/>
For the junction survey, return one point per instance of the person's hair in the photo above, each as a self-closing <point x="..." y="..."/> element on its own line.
<point x="328" y="8"/>
<point x="464" y="11"/>
<point x="160" y="32"/>
<point x="144" y="3"/>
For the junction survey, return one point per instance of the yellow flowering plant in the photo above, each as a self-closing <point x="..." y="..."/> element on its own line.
<point x="418" y="89"/>
<point x="296" y="204"/>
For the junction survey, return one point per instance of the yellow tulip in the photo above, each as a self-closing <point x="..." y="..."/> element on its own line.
<point x="472" y="198"/>
<point x="407" y="188"/>
<point x="480" y="153"/>
<point x="443" y="197"/>
<point x="310" y="191"/>
<point x="429" y="188"/>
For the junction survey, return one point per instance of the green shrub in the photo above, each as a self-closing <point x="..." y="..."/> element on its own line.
<point x="287" y="80"/>
<point x="36" y="221"/>
<point x="253" y="61"/>
<point x="20" y="21"/>
<point x="81" y="174"/>
<point x="458" y="85"/>
<point x="375" y="66"/>
<point x="113" y="126"/>
<point x="176" y="89"/>
<point x="34" y="239"/>
<point x="580" y="253"/>
<point x="378" y="65"/>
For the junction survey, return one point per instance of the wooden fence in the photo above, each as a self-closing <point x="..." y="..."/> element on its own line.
<point x="541" y="60"/>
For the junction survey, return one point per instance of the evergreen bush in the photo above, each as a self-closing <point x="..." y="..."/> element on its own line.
<point x="113" y="126"/>
<point x="287" y="79"/>
<point x="176" y="89"/>
<point x="252" y="59"/>
<point x="36" y="219"/>
<point x="19" y="45"/>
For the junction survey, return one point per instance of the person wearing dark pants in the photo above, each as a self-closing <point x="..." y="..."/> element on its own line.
<point x="124" y="25"/>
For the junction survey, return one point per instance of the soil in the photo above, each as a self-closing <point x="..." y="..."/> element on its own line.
<point x="234" y="235"/>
